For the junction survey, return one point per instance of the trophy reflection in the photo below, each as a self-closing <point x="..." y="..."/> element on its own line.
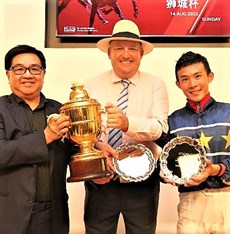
<point x="85" y="129"/>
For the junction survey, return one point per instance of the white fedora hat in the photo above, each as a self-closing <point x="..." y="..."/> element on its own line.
<point x="125" y="30"/>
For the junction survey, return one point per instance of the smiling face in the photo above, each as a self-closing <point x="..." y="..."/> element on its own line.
<point x="125" y="57"/>
<point x="194" y="81"/>
<point x="26" y="86"/>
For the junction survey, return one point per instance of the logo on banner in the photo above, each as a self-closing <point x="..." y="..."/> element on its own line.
<point x="69" y="29"/>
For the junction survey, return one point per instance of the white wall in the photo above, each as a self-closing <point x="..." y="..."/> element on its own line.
<point x="23" y="21"/>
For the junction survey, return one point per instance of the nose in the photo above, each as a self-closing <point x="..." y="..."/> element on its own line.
<point x="126" y="53"/>
<point x="27" y="72"/>
<point x="193" y="83"/>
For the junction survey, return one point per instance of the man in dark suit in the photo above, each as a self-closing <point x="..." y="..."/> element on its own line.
<point x="33" y="159"/>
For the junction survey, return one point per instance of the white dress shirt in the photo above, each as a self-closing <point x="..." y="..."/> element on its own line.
<point x="147" y="105"/>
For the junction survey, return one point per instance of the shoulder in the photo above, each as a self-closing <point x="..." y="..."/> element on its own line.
<point x="178" y="112"/>
<point x="147" y="77"/>
<point x="55" y="102"/>
<point x="223" y="104"/>
<point x="219" y="106"/>
<point x="6" y="99"/>
<point x="223" y="107"/>
<point x="50" y="101"/>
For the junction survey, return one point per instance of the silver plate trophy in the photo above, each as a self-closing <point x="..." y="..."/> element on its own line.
<point x="182" y="158"/>
<point x="135" y="163"/>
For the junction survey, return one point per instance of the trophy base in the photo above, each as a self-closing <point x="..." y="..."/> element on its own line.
<point x="87" y="169"/>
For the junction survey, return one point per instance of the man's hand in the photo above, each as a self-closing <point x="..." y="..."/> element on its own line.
<point x="57" y="127"/>
<point x="109" y="153"/>
<point x="210" y="170"/>
<point x="103" y="180"/>
<point x="116" y="118"/>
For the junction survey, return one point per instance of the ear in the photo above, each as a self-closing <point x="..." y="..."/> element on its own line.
<point x="44" y="75"/>
<point x="177" y="84"/>
<point x="8" y="74"/>
<point x="210" y="77"/>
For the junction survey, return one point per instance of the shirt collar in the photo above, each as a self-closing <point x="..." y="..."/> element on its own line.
<point x="42" y="103"/>
<point x="199" y="106"/>
<point x="133" y="80"/>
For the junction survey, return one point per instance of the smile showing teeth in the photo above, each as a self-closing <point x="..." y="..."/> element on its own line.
<point x="194" y="92"/>
<point x="126" y="62"/>
<point x="27" y="83"/>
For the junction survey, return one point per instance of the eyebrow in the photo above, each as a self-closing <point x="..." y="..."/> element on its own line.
<point x="20" y="64"/>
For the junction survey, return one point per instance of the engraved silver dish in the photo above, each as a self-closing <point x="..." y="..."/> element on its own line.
<point x="182" y="158"/>
<point x="135" y="163"/>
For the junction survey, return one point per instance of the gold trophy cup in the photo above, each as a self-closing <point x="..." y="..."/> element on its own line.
<point x="86" y="128"/>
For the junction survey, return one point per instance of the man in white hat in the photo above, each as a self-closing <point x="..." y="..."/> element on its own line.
<point x="143" y="122"/>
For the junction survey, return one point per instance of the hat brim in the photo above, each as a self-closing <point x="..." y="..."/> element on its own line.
<point x="104" y="44"/>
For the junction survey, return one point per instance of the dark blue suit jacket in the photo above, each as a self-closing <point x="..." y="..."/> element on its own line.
<point x="20" y="151"/>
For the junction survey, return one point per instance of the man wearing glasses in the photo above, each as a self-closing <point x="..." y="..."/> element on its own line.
<point x="33" y="160"/>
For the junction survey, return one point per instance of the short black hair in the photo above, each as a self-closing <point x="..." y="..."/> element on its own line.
<point x="22" y="49"/>
<point x="190" y="58"/>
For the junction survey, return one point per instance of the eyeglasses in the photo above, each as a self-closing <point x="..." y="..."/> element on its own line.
<point x="20" y="70"/>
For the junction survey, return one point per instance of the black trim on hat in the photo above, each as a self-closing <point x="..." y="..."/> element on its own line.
<point x="126" y="34"/>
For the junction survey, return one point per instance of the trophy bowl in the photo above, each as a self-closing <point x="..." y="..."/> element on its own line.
<point x="86" y="127"/>
<point x="135" y="162"/>
<point x="181" y="158"/>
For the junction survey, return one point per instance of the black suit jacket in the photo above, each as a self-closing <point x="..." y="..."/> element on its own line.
<point x="20" y="151"/>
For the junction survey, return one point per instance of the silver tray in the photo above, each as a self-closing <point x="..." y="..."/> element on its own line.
<point x="135" y="163"/>
<point x="182" y="158"/>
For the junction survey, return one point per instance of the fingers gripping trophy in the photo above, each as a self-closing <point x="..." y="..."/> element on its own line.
<point x="85" y="129"/>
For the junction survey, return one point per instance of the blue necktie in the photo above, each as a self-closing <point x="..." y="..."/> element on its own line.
<point x="115" y="135"/>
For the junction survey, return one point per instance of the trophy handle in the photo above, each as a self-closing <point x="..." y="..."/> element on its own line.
<point x="103" y="110"/>
<point x="104" y="119"/>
